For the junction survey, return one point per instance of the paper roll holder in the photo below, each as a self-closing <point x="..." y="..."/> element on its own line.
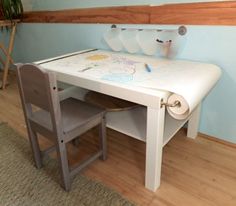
<point x="175" y="104"/>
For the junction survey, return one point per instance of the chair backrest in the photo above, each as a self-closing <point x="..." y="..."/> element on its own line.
<point x="39" y="88"/>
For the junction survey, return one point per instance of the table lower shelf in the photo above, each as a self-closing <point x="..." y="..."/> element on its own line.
<point x="131" y="122"/>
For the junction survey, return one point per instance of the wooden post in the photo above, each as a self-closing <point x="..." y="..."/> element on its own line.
<point x="8" y="51"/>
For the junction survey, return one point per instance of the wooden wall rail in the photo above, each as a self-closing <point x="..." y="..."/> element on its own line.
<point x="124" y="14"/>
<point x="207" y="13"/>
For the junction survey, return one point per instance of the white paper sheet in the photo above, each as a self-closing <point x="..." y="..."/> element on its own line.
<point x="189" y="82"/>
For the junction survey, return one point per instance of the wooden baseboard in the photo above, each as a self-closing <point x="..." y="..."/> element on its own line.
<point x="215" y="139"/>
<point x="201" y="13"/>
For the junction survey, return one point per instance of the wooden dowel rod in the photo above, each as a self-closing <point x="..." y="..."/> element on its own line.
<point x="2" y="47"/>
<point x="2" y="61"/>
<point x="10" y="48"/>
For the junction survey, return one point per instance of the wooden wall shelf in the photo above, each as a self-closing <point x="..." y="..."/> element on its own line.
<point x="206" y="13"/>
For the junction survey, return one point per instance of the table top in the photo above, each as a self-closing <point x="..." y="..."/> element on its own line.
<point x="137" y="78"/>
<point x="106" y="72"/>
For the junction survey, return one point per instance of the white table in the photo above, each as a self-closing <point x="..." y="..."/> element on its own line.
<point x="150" y="123"/>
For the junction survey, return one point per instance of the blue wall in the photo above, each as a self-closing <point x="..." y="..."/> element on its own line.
<point x="215" y="44"/>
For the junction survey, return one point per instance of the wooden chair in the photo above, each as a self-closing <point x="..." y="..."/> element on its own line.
<point x="60" y="122"/>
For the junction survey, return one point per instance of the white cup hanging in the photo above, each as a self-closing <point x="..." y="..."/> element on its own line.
<point x="129" y="41"/>
<point x="112" y="38"/>
<point x="177" y="43"/>
<point x="177" y="46"/>
<point x="147" y="41"/>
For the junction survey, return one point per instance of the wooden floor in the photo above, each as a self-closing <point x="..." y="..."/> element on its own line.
<point x="194" y="172"/>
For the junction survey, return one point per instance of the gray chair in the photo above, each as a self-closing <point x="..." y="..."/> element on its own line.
<point x="60" y="122"/>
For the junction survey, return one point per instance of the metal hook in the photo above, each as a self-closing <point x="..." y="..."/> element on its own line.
<point x="113" y="26"/>
<point x="175" y="104"/>
<point x="182" y="30"/>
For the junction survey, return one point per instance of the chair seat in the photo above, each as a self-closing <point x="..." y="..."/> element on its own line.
<point x="75" y="113"/>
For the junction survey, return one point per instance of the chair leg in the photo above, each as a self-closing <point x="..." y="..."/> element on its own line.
<point x="64" y="165"/>
<point x="35" y="148"/>
<point x="103" y="139"/>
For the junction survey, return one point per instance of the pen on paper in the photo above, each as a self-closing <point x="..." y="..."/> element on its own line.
<point x="148" y="68"/>
<point x="83" y="70"/>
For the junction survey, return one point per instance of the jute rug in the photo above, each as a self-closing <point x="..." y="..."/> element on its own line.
<point x="21" y="184"/>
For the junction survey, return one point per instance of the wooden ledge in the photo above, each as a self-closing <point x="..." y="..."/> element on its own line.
<point x="204" y="13"/>
<point x="8" y="22"/>
<point x="119" y="15"/>
<point x="201" y="13"/>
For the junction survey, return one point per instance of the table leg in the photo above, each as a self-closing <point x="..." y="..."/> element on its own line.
<point x="154" y="144"/>
<point x="193" y="123"/>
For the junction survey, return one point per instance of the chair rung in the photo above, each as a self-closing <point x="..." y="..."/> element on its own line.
<point x="77" y="168"/>
<point x="49" y="150"/>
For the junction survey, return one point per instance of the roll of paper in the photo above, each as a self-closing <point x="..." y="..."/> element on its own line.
<point x="188" y="82"/>
<point x="181" y="110"/>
